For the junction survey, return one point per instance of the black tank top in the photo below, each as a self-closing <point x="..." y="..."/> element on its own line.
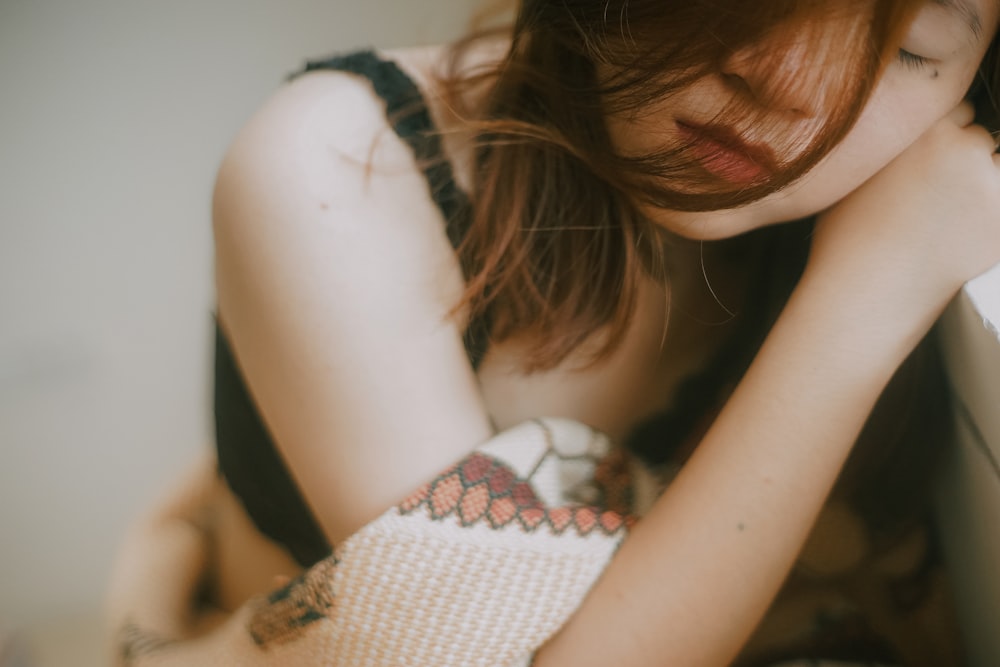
<point x="248" y="459"/>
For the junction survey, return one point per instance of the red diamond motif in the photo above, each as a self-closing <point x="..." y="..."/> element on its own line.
<point x="476" y="468"/>
<point x="524" y="495"/>
<point x="501" y="480"/>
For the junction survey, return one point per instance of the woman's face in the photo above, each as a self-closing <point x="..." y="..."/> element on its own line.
<point x="938" y="61"/>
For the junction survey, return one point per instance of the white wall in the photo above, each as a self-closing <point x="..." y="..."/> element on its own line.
<point x="113" y="116"/>
<point x="969" y="498"/>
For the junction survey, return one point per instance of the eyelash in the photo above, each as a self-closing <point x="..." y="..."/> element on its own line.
<point x="912" y="60"/>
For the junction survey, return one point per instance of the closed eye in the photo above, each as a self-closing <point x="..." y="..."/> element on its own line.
<point x="912" y="60"/>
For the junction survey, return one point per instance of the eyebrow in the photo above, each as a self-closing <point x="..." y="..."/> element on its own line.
<point x="967" y="12"/>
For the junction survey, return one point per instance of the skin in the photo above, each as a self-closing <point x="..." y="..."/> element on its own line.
<point x="300" y="222"/>
<point x="908" y="100"/>
<point x="885" y="261"/>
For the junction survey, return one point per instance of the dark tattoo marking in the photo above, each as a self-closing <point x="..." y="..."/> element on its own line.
<point x="135" y="643"/>
<point x="284" y="615"/>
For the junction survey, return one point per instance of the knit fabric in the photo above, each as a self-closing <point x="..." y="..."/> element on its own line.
<point x="478" y="567"/>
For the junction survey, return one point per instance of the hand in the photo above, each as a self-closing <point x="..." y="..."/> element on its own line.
<point x="161" y="565"/>
<point x="922" y="226"/>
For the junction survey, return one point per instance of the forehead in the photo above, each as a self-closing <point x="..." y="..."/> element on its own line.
<point x="968" y="11"/>
<point x="967" y="25"/>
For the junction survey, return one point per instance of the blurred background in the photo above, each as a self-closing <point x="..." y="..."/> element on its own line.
<point x="114" y="115"/>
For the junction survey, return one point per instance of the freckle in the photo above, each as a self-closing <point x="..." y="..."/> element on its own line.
<point x="324" y="206"/>
<point x="741" y="526"/>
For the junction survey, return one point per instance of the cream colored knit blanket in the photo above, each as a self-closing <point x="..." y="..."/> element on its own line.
<point x="478" y="567"/>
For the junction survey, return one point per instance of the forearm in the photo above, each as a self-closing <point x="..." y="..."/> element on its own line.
<point x="160" y="565"/>
<point x="695" y="577"/>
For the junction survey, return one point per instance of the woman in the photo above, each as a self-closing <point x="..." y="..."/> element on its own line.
<point x="596" y="244"/>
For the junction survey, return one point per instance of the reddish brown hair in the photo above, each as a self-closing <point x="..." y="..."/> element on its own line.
<point x="557" y="242"/>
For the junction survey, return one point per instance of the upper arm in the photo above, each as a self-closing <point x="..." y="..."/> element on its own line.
<point x="335" y="281"/>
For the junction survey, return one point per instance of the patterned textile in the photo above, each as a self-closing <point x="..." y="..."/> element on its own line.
<point x="485" y="562"/>
<point x="477" y="567"/>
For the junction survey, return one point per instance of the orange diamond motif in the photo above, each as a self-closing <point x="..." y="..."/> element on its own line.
<point x="559" y="518"/>
<point x="474" y="504"/>
<point x="445" y="496"/>
<point x="502" y="511"/>
<point x="415" y="500"/>
<point x="585" y="519"/>
<point x="482" y="487"/>
<point x="611" y="521"/>
<point x="532" y="517"/>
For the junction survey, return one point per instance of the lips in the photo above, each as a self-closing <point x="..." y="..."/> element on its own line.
<point x="725" y="154"/>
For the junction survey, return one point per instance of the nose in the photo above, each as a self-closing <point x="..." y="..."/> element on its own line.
<point x="779" y="73"/>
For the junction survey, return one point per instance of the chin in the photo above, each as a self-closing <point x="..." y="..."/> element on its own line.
<point x="709" y="225"/>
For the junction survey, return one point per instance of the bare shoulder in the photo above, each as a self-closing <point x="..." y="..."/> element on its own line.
<point x="321" y="152"/>
<point x="335" y="283"/>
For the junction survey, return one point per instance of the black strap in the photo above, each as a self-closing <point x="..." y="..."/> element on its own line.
<point x="254" y="469"/>
<point x="407" y="113"/>
<point x="410" y="119"/>
<point x="248" y="458"/>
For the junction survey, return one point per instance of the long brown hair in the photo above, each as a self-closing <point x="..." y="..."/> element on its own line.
<point x="557" y="241"/>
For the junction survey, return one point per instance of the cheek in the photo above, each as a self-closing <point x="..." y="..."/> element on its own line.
<point x="895" y="117"/>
